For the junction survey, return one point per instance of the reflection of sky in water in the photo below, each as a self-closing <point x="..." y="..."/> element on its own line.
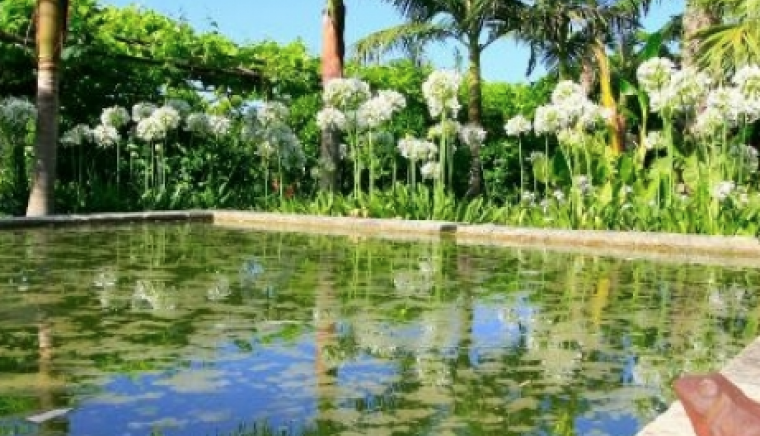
<point x="274" y="384"/>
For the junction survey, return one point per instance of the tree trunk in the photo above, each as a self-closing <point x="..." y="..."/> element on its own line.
<point x="587" y="75"/>
<point x="616" y="122"/>
<point x="333" y="52"/>
<point x="696" y="17"/>
<point x="474" y="115"/>
<point x="51" y="27"/>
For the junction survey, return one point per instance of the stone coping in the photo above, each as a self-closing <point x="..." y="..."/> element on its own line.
<point x="733" y="251"/>
<point x="743" y="370"/>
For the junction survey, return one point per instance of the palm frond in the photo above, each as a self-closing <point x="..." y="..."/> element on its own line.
<point x="404" y="37"/>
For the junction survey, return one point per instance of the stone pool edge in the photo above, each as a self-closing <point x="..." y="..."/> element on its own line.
<point x="105" y="218"/>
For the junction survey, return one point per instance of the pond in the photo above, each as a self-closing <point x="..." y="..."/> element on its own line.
<point x="194" y="329"/>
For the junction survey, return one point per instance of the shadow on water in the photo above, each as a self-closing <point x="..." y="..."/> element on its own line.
<point x="195" y="329"/>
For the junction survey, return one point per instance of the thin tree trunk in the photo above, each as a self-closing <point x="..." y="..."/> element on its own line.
<point x="474" y="114"/>
<point x="51" y="27"/>
<point x="587" y="76"/>
<point x="696" y="17"/>
<point x="617" y="121"/>
<point x="333" y="52"/>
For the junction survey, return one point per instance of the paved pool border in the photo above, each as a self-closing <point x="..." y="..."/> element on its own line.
<point x="744" y="369"/>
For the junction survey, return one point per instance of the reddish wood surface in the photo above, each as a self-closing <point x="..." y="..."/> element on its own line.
<point x="717" y="407"/>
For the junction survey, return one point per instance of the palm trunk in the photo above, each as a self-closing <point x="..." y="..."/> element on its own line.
<point x="51" y="27"/>
<point x="333" y="52"/>
<point x="474" y="114"/>
<point x="616" y="122"/>
<point x="696" y="17"/>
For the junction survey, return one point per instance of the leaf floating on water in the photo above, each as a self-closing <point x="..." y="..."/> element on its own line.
<point x="47" y="416"/>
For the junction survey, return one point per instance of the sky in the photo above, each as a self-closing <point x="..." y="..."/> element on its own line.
<point x="285" y="21"/>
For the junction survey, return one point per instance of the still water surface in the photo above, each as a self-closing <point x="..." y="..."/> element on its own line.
<point x="196" y="330"/>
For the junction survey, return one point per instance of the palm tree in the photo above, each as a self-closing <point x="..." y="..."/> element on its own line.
<point x="465" y="21"/>
<point x="333" y="53"/>
<point x="734" y="42"/>
<point x="697" y="17"/>
<point x="52" y="21"/>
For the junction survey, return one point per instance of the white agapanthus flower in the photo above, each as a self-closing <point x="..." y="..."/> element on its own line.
<point x="219" y="125"/>
<point x="417" y="150"/>
<point x="374" y="112"/>
<point x="728" y="101"/>
<point x="393" y="98"/>
<point x="549" y="119"/>
<point x="105" y="136"/>
<point x="197" y="123"/>
<point x="711" y="121"/>
<point x="346" y="93"/>
<point x="572" y="137"/>
<point x="655" y="74"/>
<point x="271" y="113"/>
<point x="567" y="92"/>
<point x="655" y="140"/>
<point x="687" y="88"/>
<point x="450" y="128"/>
<point x="168" y="117"/>
<point x="77" y="135"/>
<point x="150" y="130"/>
<point x="430" y="170"/>
<point x="723" y="189"/>
<point x="16" y="112"/>
<point x="331" y="118"/>
<point x="472" y="135"/>
<point x="441" y="90"/>
<point x="747" y="79"/>
<point x="517" y="126"/>
<point x="115" y="116"/>
<point x="141" y="111"/>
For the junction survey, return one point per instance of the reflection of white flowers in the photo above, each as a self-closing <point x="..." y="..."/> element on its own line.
<point x="220" y="290"/>
<point x="151" y="296"/>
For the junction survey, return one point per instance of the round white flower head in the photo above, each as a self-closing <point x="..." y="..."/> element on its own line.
<point x="723" y="189"/>
<point x="747" y="79"/>
<point x="549" y="119"/>
<point x="330" y="117"/>
<point x="168" y="117"/>
<point x="346" y="93"/>
<point x="593" y="116"/>
<point x="219" y="125"/>
<point x="567" y="91"/>
<point x="655" y="74"/>
<point x="393" y="98"/>
<point x="448" y="127"/>
<point x="472" y="135"/>
<point x="572" y="137"/>
<point x="441" y="90"/>
<point x="518" y="125"/>
<point x="150" y="129"/>
<point x="16" y="113"/>
<point x="417" y="150"/>
<point x="198" y="123"/>
<point x="655" y="140"/>
<point x="709" y="122"/>
<point x="105" y="136"/>
<point x="372" y="113"/>
<point x="272" y="112"/>
<point x="686" y="89"/>
<point x="141" y="111"/>
<point x="77" y="135"/>
<point x="115" y="116"/>
<point x="431" y="170"/>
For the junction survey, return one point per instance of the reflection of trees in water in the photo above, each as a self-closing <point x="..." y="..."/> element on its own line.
<point x="572" y="335"/>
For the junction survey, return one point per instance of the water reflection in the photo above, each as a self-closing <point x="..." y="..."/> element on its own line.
<point x="193" y="329"/>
